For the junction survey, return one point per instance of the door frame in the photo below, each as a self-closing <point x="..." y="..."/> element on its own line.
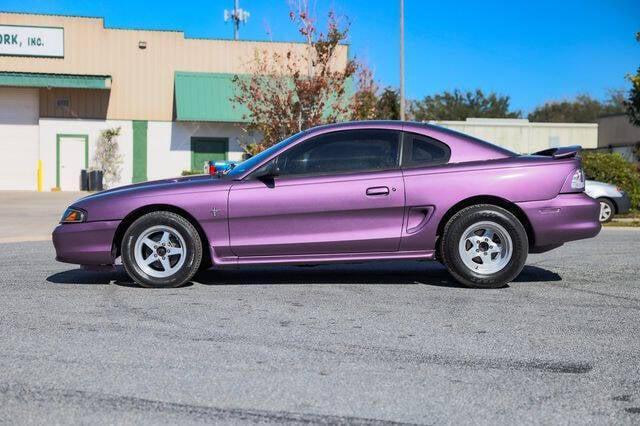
<point x="208" y="138"/>
<point x="60" y="136"/>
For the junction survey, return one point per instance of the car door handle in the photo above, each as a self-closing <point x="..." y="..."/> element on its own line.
<point x="378" y="190"/>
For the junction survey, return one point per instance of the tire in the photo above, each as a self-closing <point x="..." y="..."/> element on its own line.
<point x="161" y="249"/>
<point x="607" y="210"/>
<point x="484" y="246"/>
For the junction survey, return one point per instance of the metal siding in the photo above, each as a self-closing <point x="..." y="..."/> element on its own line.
<point x="82" y="103"/>
<point x="139" y="151"/>
<point x="142" y="85"/>
<point x="206" y="97"/>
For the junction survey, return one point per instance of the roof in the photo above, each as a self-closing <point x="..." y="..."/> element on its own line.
<point x="150" y="29"/>
<point x="28" y="79"/>
<point x="207" y="97"/>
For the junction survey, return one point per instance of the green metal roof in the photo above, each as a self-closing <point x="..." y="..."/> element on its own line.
<point x="207" y="97"/>
<point x="28" y="79"/>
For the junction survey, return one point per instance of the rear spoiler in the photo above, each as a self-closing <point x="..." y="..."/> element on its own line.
<point x="562" y="152"/>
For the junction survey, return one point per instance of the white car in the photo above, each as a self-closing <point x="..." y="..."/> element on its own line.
<point x="612" y="199"/>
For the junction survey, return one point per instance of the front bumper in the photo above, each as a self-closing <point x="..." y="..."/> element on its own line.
<point x="623" y="204"/>
<point x="567" y="217"/>
<point x="85" y="243"/>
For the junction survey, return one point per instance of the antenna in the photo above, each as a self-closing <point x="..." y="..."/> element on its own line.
<point x="237" y="16"/>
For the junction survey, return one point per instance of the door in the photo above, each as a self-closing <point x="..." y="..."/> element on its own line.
<point x="72" y="158"/>
<point x="337" y="193"/>
<point x="207" y="149"/>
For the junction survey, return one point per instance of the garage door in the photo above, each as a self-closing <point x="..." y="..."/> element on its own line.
<point x="207" y="149"/>
<point x="18" y="138"/>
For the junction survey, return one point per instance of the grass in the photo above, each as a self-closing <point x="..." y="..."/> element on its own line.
<point x="633" y="214"/>
<point x="621" y="224"/>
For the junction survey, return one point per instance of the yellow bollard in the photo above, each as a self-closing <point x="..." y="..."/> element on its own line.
<point x="40" y="174"/>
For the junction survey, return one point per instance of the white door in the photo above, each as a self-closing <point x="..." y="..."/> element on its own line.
<point x="72" y="155"/>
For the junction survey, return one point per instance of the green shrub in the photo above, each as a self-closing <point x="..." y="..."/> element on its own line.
<point x="614" y="169"/>
<point x="191" y="172"/>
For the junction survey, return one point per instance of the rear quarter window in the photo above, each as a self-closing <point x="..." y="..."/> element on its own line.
<point x="424" y="151"/>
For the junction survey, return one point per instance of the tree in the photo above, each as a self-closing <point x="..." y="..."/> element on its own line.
<point x="457" y="105"/>
<point x="388" y="105"/>
<point x="292" y="91"/>
<point x="368" y="104"/>
<point x="107" y="156"/>
<point x="365" y="99"/>
<point x="583" y="109"/>
<point x="633" y="101"/>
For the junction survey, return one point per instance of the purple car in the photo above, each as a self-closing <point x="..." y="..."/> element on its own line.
<point x="349" y="192"/>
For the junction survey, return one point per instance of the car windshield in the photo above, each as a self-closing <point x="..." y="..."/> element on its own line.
<point x="245" y="166"/>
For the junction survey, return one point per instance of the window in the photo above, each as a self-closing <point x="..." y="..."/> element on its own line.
<point x="421" y="151"/>
<point x="342" y="152"/>
<point x="62" y="103"/>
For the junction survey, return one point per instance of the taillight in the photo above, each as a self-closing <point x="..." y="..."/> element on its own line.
<point x="574" y="182"/>
<point x="577" y="180"/>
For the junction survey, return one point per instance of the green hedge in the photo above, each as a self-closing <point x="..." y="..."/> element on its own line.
<point x="614" y="169"/>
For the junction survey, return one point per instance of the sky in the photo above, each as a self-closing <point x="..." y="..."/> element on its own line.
<point x="533" y="51"/>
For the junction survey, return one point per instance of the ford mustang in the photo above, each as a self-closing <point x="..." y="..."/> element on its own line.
<point x="349" y="192"/>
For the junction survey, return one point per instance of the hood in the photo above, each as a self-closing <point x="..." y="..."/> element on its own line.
<point x="155" y="186"/>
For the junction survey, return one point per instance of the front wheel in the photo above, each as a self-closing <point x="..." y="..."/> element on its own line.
<point x="484" y="246"/>
<point x="161" y="249"/>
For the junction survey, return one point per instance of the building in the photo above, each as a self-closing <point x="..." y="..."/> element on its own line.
<point x="617" y="134"/>
<point x="524" y="137"/>
<point x="64" y="79"/>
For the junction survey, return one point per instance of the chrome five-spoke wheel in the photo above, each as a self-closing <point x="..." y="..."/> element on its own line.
<point x="485" y="247"/>
<point x="160" y="251"/>
<point x="606" y="211"/>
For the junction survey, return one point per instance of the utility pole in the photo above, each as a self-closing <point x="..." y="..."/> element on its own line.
<point x="402" y="60"/>
<point x="237" y="16"/>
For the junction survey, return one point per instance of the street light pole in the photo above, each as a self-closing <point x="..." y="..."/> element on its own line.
<point x="402" y="60"/>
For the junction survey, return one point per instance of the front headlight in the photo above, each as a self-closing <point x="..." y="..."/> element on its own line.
<point x="72" y="215"/>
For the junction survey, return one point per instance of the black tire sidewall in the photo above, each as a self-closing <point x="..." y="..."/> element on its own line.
<point x="180" y="224"/>
<point x="484" y="213"/>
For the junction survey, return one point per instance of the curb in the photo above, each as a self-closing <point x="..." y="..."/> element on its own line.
<point x="25" y="239"/>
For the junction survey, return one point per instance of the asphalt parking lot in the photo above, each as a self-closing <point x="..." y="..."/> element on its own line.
<point x="369" y="343"/>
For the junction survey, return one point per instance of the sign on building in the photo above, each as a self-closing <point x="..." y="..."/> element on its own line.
<point x="18" y="40"/>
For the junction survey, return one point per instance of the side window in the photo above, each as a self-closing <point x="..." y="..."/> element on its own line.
<point x="422" y="151"/>
<point x="342" y="152"/>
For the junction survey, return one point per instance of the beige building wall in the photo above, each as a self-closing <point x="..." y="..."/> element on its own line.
<point x="522" y="136"/>
<point x="142" y="79"/>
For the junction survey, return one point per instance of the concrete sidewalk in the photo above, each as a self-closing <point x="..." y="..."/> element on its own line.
<point x="31" y="216"/>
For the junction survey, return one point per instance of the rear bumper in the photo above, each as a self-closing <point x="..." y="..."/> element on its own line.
<point x="85" y="243"/>
<point x="567" y="217"/>
<point x="623" y="204"/>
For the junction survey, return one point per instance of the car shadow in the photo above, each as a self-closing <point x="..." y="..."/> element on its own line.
<point x="390" y="273"/>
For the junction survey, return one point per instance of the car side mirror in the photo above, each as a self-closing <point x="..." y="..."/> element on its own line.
<point x="268" y="172"/>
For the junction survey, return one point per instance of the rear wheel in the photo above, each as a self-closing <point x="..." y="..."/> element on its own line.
<point x="607" y="210"/>
<point x="161" y="249"/>
<point x="484" y="246"/>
